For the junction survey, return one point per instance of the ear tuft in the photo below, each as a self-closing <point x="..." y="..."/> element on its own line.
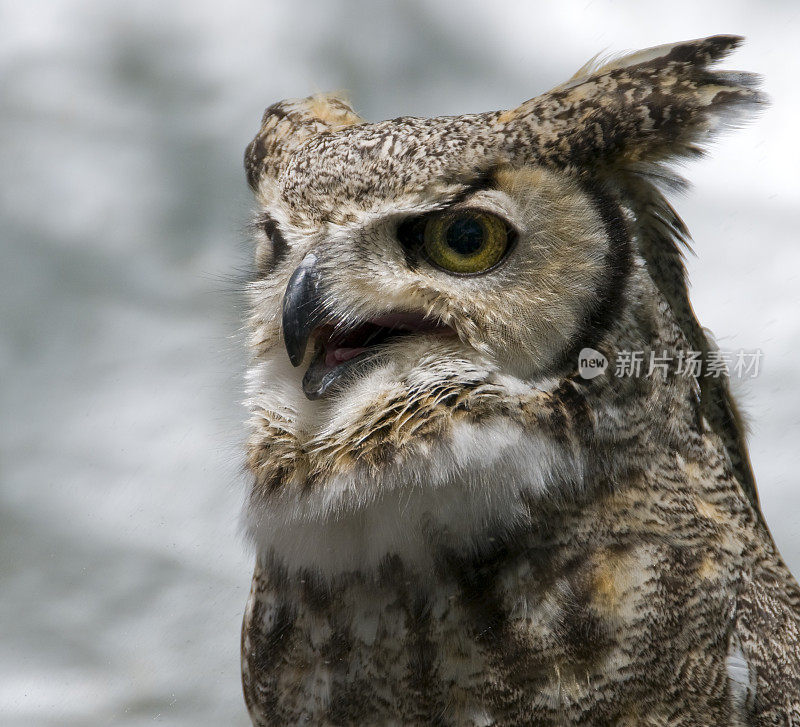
<point x="644" y="108"/>
<point x="703" y="51"/>
<point x="288" y="124"/>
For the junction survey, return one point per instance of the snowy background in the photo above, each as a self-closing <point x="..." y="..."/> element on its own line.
<point x="122" y="572"/>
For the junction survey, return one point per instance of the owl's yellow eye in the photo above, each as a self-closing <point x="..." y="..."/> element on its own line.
<point x="466" y="242"/>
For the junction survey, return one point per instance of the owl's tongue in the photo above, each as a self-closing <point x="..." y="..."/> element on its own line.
<point x="339" y="349"/>
<point x="339" y="355"/>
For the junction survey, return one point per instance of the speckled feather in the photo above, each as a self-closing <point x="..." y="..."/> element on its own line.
<point x="469" y="533"/>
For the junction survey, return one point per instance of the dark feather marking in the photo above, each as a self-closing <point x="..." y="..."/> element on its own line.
<point x="423" y="652"/>
<point x="481" y="180"/>
<point x="477" y="582"/>
<point x="573" y="404"/>
<point x="316" y="594"/>
<point x="608" y="297"/>
<point x="279" y="247"/>
<point x="269" y="647"/>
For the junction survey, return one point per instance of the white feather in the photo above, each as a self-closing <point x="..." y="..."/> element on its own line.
<point x="457" y="492"/>
<point x="740" y="680"/>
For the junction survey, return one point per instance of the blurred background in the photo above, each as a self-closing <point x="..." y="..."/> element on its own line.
<point x="123" y="574"/>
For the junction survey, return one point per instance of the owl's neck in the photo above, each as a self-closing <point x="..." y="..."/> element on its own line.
<point x="457" y="493"/>
<point x="504" y="467"/>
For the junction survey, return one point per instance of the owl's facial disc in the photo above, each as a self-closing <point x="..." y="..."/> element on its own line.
<point x="341" y="348"/>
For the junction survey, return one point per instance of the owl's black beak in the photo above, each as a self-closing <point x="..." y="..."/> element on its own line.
<point x="302" y="309"/>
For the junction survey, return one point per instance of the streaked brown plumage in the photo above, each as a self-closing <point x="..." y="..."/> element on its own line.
<point x="452" y="526"/>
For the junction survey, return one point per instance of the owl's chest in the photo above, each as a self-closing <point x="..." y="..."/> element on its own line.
<point x="534" y="637"/>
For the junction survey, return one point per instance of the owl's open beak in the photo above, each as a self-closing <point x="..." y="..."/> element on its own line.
<point x="340" y="348"/>
<point x="302" y="311"/>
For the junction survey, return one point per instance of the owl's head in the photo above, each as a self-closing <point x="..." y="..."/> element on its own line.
<point x="412" y="270"/>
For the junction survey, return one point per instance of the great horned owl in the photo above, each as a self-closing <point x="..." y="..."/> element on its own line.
<point x="452" y="525"/>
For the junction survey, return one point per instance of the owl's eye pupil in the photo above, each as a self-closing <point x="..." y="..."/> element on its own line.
<point x="466" y="242"/>
<point x="465" y="236"/>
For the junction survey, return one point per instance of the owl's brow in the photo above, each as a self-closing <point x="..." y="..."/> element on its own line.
<point x="481" y="181"/>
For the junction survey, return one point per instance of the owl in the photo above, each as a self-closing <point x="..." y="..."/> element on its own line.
<point x="455" y="523"/>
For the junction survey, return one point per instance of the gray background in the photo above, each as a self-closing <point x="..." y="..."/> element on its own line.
<point x="122" y="127"/>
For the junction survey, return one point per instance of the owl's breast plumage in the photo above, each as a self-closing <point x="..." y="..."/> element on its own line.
<point x="610" y="621"/>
